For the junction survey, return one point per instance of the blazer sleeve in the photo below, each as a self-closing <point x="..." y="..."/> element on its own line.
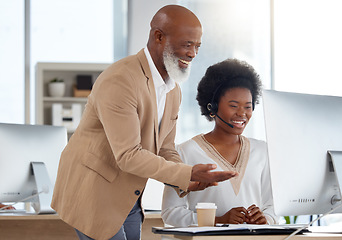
<point x="116" y="101"/>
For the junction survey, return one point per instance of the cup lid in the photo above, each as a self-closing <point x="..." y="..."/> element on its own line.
<point x="205" y="205"/>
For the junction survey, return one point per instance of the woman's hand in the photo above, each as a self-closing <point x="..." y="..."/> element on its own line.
<point x="255" y="215"/>
<point x="233" y="216"/>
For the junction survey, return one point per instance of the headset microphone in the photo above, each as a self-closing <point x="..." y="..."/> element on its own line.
<point x="212" y="107"/>
<point x="230" y="125"/>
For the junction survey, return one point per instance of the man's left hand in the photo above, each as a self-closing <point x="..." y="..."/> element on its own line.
<point x="199" y="186"/>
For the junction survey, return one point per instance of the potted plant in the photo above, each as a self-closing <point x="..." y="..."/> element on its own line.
<point x="290" y="219"/>
<point x="56" y="87"/>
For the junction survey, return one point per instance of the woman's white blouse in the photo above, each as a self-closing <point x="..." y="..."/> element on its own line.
<point x="255" y="187"/>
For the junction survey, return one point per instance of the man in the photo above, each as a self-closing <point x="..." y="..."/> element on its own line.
<point x="127" y="133"/>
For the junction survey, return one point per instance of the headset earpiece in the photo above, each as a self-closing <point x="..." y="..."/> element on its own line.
<point x="212" y="107"/>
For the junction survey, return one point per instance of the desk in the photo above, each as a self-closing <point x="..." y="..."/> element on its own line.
<point x="35" y="227"/>
<point x="51" y="227"/>
<point x="311" y="236"/>
<point x="151" y="220"/>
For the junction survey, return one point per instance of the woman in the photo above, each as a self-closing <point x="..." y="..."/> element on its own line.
<point x="227" y="95"/>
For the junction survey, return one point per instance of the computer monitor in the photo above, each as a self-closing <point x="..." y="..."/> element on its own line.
<point x="301" y="129"/>
<point x="29" y="158"/>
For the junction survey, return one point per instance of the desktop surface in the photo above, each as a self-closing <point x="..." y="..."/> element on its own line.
<point x="51" y="227"/>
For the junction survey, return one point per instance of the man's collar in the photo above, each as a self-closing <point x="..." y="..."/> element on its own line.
<point x="157" y="78"/>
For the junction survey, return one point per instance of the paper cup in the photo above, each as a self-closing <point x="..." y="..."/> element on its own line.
<point x="206" y="214"/>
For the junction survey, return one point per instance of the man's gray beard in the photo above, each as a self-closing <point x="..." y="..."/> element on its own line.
<point x="176" y="73"/>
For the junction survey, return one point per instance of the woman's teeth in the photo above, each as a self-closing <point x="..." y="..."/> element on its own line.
<point x="238" y="122"/>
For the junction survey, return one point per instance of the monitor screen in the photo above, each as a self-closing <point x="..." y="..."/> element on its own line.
<point x="300" y="130"/>
<point x="20" y="145"/>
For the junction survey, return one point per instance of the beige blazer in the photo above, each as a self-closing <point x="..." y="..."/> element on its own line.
<point x="116" y="148"/>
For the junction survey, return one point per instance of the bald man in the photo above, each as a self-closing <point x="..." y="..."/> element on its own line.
<point x="127" y="133"/>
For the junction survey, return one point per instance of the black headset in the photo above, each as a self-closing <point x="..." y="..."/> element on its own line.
<point x="213" y="106"/>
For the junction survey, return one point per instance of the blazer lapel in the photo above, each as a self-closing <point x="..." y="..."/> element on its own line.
<point x="166" y="116"/>
<point x="150" y="85"/>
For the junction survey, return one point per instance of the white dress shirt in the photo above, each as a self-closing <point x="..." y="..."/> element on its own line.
<point x="162" y="87"/>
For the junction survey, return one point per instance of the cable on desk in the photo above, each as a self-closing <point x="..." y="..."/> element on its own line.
<point x="308" y="225"/>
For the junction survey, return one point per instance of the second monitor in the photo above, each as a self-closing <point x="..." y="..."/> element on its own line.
<point x="29" y="158"/>
<point x="301" y="129"/>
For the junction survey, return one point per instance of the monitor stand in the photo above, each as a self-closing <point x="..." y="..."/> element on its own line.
<point x="336" y="159"/>
<point x="41" y="203"/>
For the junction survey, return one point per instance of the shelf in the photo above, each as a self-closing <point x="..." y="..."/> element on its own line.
<point x="65" y="99"/>
<point x="45" y="72"/>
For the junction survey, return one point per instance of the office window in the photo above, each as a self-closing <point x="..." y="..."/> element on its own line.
<point x="60" y="31"/>
<point x="70" y="31"/>
<point x="12" y="89"/>
<point x="307" y="46"/>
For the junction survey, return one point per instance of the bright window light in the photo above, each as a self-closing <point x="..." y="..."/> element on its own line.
<point x="307" y="46"/>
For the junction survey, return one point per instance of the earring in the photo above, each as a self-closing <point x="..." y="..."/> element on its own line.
<point x="212" y="115"/>
<point x="209" y="106"/>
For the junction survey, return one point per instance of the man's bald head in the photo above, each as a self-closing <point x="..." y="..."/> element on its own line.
<point x="171" y="16"/>
<point x="177" y="29"/>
